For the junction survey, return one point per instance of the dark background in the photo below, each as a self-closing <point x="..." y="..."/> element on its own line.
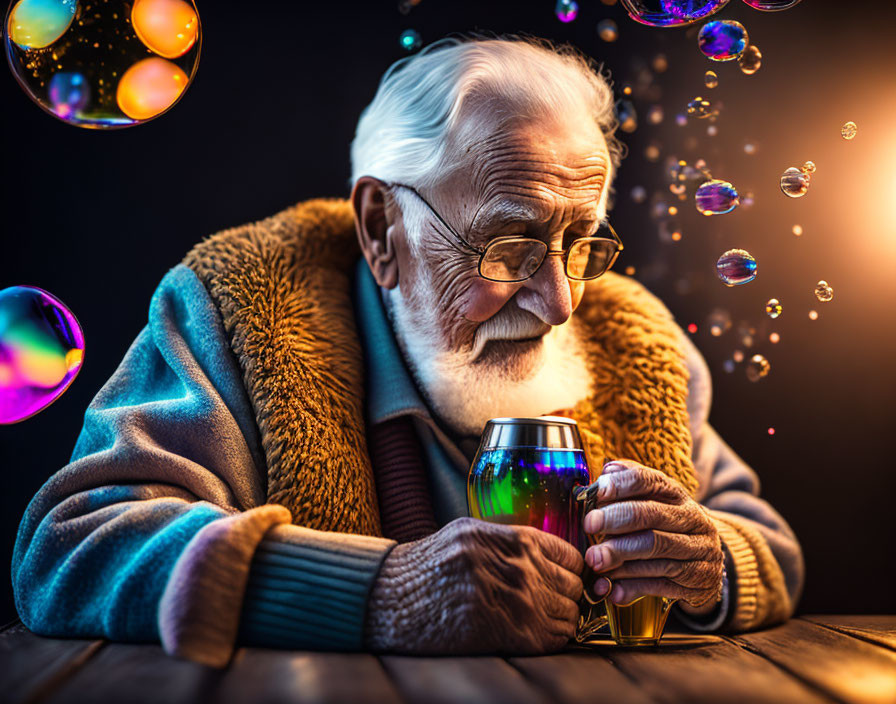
<point x="98" y="218"/>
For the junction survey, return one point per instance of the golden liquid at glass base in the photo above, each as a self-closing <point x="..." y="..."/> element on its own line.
<point x="640" y="622"/>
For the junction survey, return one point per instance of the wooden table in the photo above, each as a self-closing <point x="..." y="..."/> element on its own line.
<point x="809" y="659"/>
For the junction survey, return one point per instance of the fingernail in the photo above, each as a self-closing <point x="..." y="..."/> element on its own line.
<point x="601" y="586"/>
<point x="604" y="485"/>
<point x="594" y="520"/>
<point x="618" y="593"/>
<point x="595" y="557"/>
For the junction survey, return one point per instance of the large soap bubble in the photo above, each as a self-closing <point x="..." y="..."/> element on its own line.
<point x="670" y="13"/>
<point x="41" y="350"/>
<point x="722" y="40"/>
<point x="106" y="64"/>
<point x="772" y="5"/>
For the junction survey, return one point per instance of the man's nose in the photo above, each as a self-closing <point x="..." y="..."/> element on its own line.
<point x="548" y="293"/>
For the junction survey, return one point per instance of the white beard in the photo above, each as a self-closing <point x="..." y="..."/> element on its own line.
<point x="465" y="395"/>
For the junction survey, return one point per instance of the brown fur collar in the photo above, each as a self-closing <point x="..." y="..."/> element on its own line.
<point x="283" y="288"/>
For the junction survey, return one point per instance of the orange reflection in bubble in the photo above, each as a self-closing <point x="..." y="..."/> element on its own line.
<point x="167" y="27"/>
<point x="150" y="87"/>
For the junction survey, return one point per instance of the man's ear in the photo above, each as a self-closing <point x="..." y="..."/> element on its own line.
<point x="375" y="227"/>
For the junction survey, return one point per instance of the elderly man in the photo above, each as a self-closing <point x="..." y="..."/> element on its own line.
<point x="280" y="459"/>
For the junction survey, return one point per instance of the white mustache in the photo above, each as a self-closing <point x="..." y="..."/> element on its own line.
<point x="510" y="323"/>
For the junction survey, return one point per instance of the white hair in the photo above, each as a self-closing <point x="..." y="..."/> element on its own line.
<point x="402" y="135"/>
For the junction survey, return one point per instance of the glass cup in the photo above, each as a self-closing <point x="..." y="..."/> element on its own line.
<point x="639" y="622"/>
<point x="531" y="471"/>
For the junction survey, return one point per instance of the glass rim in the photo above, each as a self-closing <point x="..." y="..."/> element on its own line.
<point x="545" y="253"/>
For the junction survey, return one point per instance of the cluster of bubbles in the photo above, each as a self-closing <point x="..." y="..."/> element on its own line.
<point x="823" y="291"/>
<point x="727" y="40"/>
<point x="671" y="13"/>
<point x="795" y="181"/>
<point x="104" y="65"/>
<point x="41" y="350"/>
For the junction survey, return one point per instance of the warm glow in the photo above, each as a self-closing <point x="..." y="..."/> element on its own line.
<point x="150" y="87"/>
<point x="167" y="27"/>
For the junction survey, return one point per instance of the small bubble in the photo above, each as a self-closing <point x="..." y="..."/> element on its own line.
<point x="774" y="338"/>
<point x="736" y="267"/>
<point x="639" y="194"/>
<point x="629" y="271"/>
<point x="660" y="63"/>
<point x="849" y="130"/>
<point x="773" y="308"/>
<point x="771" y="431"/>
<point x="750" y="60"/>
<point x="681" y="120"/>
<point x="626" y="90"/>
<point x="738" y="356"/>
<point x="757" y="367"/>
<point x="823" y="291"/>
<point x="718" y="321"/>
<point x="808" y="167"/>
<point x="813" y="315"/>
<point x="608" y="30"/>
<point x="712" y="130"/>
<point x="652" y="152"/>
<point x="655" y="114"/>
<point x="749" y="148"/>
<point x="700" y="108"/>
<point x="794" y="182"/>
<point x="710" y="79"/>
<point x="566" y="10"/>
<point x="722" y="40"/>
<point x="797" y="230"/>
<point x="728" y="365"/>
<point x="692" y="328"/>
<point x="626" y="116"/>
<point x="716" y="197"/>
<point x="410" y="40"/>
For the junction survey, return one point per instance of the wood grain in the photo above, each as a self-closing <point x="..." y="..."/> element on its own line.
<point x="260" y="676"/>
<point x="31" y="666"/>
<point x="472" y="680"/>
<point x="876" y="629"/>
<point x="850" y="669"/>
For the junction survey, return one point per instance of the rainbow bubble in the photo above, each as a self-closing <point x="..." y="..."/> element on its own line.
<point x="566" y="10"/>
<point x="150" y="87"/>
<point x="736" y="267"/>
<point x="671" y="13"/>
<point x="35" y="24"/>
<point x="94" y="72"/>
<point x="167" y="27"/>
<point x="716" y="197"/>
<point x="772" y="5"/>
<point x="722" y="40"/>
<point x="41" y="351"/>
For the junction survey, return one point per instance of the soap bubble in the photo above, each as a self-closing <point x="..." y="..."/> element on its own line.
<point x="813" y="315"/>
<point x="626" y="115"/>
<point x="749" y="148"/>
<point x="773" y="308"/>
<point x="794" y="182"/>
<point x="849" y="130"/>
<point x="736" y="267"/>
<point x="35" y="24"/>
<point x="700" y="108"/>
<point x="639" y="194"/>
<point x="76" y="70"/>
<point x="41" y="349"/>
<point x="567" y="10"/>
<point x="757" y="367"/>
<point x="69" y="93"/>
<point x="710" y="79"/>
<point x="712" y="130"/>
<point x="655" y="114"/>
<point x="669" y="13"/>
<point x="750" y="60"/>
<point x="716" y="197"/>
<point x="410" y="40"/>
<point x="823" y="291"/>
<point x="737" y="356"/>
<point x="808" y="167"/>
<point x="728" y="365"/>
<point x="771" y="5"/>
<point x="774" y="338"/>
<point x="722" y="40"/>
<point x="608" y="30"/>
<point x="718" y="321"/>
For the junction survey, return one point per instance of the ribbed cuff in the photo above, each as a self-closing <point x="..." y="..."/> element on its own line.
<point x="308" y="589"/>
<point x="743" y="574"/>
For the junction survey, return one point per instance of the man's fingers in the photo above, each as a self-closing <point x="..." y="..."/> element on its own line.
<point x="563" y="581"/>
<point x="648" y="545"/>
<point x="558" y="551"/>
<point x="699" y="574"/>
<point x="563" y="609"/>
<point x="630" y="516"/>
<point x="638" y="482"/>
<point x="627" y="590"/>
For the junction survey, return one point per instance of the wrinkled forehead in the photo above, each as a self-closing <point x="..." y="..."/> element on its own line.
<point x="494" y="152"/>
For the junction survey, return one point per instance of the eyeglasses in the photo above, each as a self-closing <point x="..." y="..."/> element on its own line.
<point x="514" y="258"/>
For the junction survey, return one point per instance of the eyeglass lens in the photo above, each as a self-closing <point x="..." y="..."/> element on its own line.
<point x="518" y="259"/>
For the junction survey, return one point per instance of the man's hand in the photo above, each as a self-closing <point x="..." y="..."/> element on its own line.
<point x="657" y="539"/>
<point x="476" y="587"/>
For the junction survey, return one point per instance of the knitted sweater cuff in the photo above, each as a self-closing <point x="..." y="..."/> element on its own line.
<point x="759" y="594"/>
<point x="309" y="589"/>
